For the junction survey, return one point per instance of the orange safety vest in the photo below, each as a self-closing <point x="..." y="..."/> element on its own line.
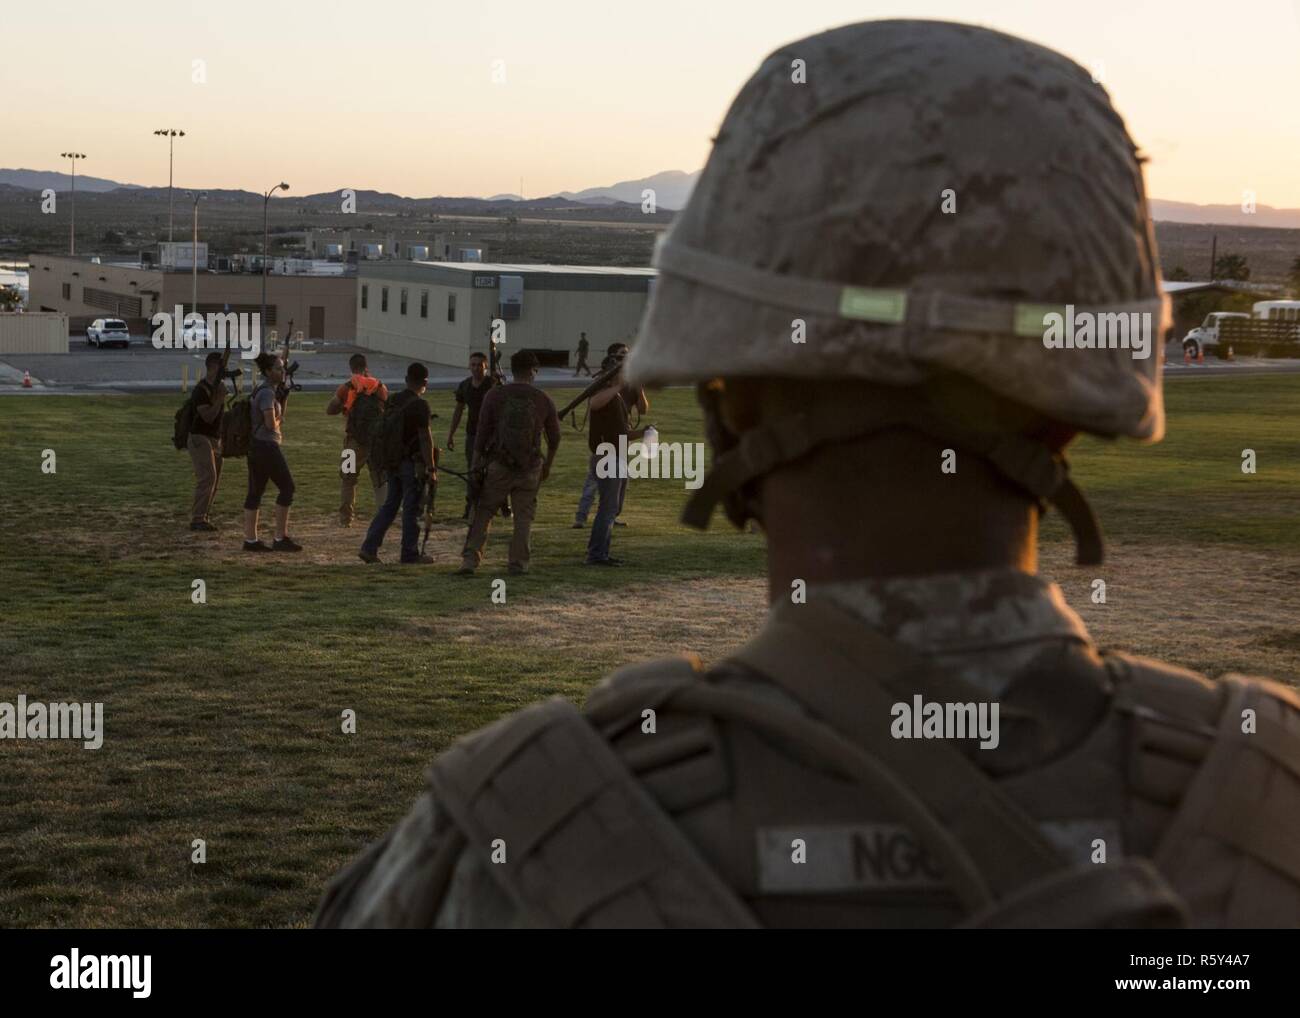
<point x="358" y="384"/>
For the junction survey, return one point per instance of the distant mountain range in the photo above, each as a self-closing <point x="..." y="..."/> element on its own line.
<point x="672" y="188"/>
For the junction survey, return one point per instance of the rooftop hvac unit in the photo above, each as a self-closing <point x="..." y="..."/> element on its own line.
<point x="470" y="254"/>
<point x="417" y="252"/>
<point x="372" y="251"/>
<point x="333" y="251"/>
<point x="511" y="296"/>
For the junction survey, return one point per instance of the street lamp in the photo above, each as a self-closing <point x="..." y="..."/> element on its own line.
<point x="171" y="134"/>
<point x="194" y="252"/>
<point x="266" y="201"/>
<point x="72" y="234"/>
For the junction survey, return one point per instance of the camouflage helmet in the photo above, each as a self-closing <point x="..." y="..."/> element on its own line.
<point x="896" y="201"/>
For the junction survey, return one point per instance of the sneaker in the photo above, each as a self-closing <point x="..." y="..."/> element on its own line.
<point x="422" y="560"/>
<point x="579" y="525"/>
<point x="465" y="571"/>
<point x="619" y="523"/>
<point x="506" y="512"/>
<point x="604" y="562"/>
<point x="256" y="546"/>
<point x="345" y="521"/>
<point x="286" y="543"/>
<point x="516" y="570"/>
<point x="203" y="525"/>
<point x="369" y="557"/>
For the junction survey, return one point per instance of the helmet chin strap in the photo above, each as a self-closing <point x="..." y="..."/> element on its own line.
<point x="1028" y="464"/>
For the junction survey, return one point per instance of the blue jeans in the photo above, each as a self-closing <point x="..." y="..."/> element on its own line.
<point x="589" y="493"/>
<point x="403" y="491"/>
<point x="610" y="490"/>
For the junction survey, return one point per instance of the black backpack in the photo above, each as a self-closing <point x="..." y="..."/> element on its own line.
<point x="367" y="410"/>
<point x="517" y="439"/>
<point x="182" y="424"/>
<point x="237" y="427"/>
<point x="387" y="448"/>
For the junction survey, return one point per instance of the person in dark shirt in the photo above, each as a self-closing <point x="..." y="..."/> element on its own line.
<point x="633" y="397"/>
<point x="608" y="422"/>
<point x="583" y="349"/>
<point x="469" y="396"/>
<point x="508" y="458"/>
<point x="405" y="483"/>
<point x="209" y="399"/>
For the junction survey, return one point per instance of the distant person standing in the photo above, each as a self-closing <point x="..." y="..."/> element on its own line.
<point x="583" y="349"/>
<point x="469" y="396"/>
<point x="361" y="400"/>
<point x="266" y="460"/>
<point x="414" y="467"/>
<point x="204" y="444"/>
<point x="508" y="460"/>
<point x="607" y="424"/>
<point x="633" y="397"/>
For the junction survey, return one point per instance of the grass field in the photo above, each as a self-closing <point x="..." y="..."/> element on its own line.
<point x="223" y="720"/>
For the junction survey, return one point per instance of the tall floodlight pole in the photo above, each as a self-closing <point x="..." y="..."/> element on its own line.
<point x="194" y="252"/>
<point x="266" y="202"/>
<point x="72" y="229"/>
<point x="171" y="134"/>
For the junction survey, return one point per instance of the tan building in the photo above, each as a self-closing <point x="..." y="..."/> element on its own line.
<point x="440" y="312"/>
<point x="322" y="307"/>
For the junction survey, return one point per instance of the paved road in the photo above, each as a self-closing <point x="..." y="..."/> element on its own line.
<point x="141" y="368"/>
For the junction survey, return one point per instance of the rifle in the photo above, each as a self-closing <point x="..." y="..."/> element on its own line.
<point x="594" y="387"/>
<point x="288" y="385"/>
<point x="430" y="494"/>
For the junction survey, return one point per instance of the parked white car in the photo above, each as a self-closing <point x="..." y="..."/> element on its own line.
<point x="108" y="331"/>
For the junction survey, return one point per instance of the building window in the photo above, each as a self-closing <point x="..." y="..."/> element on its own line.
<point x="67" y="291"/>
<point x="451" y="307"/>
<point x="424" y="303"/>
<point x="403" y="300"/>
<point x="365" y="296"/>
<point x="383" y="299"/>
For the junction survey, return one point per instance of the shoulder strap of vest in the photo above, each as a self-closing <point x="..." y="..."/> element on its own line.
<point x="1233" y="847"/>
<point x="578" y="842"/>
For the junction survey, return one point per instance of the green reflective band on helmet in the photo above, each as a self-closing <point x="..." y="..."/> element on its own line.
<point x="1028" y="320"/>
<point x="873" y="305"/>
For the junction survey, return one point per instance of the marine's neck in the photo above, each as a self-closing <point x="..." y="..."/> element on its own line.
<point x="888" y="510"/>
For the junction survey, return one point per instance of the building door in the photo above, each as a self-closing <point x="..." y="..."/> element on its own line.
<point x="316" y="323"/>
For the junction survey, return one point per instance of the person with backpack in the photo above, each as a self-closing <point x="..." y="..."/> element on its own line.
<point x="402" y="455"/>
<point x="203" y="413"/>
<point x="266" y="460"/>
<point x="508" y="461"/>
<point x="792" y="783"/>
<point x="361" y="400"/>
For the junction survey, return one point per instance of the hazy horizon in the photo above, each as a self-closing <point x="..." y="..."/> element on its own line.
<point x="399" y="98"/>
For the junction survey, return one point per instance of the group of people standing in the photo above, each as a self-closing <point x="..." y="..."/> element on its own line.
<point x="506" y="426"/>
<point x="266" y="462"/>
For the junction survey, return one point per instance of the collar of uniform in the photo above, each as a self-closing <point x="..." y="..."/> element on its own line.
<point x="987" y="622"/>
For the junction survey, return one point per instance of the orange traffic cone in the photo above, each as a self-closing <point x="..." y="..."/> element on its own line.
<point x="1200" y="356"/>
<point x="27" y="379"/>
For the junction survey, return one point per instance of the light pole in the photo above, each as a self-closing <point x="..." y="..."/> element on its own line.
<point x="171" y="134"/>
<point x="266" y="202"/>
<point x="194" y="252"/>
<point x="72" y="230"/>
